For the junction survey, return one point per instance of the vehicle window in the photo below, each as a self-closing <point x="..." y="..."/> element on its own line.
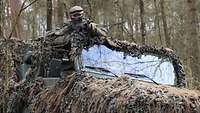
<point x="158" y="68"/>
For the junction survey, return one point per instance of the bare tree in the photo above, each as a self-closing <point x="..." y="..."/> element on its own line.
<point x="34" y="21"/>
<point x="165" y="27"/>
<point x="60" y="13"/>
<point x="193" y="45"/>
<point x="90" y="9"/>
<point x="49" y="15"/>
<point x="157" y="21"/>
<point x="15" y="6"/>
<point x="142" y="19"/>
<point x="7" y="17"/>
<point x="1" y="18"/>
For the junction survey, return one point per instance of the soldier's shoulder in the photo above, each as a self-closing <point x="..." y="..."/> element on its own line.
<point x="65" y="27"/>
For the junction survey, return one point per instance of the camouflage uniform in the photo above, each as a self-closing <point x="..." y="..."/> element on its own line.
<point x="81" y="25"/>
<point x="82" y="29"/>
<point x="79" y="30"/>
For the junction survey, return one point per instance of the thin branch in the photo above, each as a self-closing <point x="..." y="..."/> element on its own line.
<point x="29" y="5"/>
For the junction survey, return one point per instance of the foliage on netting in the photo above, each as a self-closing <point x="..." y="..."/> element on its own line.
<point x="11" y="55"/>
<point x="131" y="49"/>
<point x="85" y="94"/>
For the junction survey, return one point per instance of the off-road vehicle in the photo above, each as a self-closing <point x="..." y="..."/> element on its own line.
<point x="105" y="76"/>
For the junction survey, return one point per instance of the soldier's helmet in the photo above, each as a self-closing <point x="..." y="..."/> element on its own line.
<point x="76" y="13"/>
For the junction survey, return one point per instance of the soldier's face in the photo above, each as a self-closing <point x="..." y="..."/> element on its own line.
<point x="76" y="17"/>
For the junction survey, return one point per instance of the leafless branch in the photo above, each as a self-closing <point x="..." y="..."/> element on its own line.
<point x="25" y="7"/>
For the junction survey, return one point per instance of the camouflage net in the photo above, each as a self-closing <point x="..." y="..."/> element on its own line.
<point x="12" y="52"/>
<point x="85" y="94"/>
<point x="21" y="96"/>
<point x="130" y="49"/>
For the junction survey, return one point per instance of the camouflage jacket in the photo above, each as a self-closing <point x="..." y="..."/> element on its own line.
<point x="75" y="36"/>
<point x="86" y="28"/>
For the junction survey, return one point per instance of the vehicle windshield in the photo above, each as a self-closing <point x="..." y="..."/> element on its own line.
<point x="107" y="62"/>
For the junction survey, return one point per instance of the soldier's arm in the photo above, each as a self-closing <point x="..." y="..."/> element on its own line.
<point x="97" y="31"/>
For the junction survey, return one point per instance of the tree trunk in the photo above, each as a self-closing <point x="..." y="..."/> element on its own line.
<point x="193" y="45"/>
<point x="136" y="27"/>
<point x="8" y="20"/>
<point x="142" y="27"/>
<point x="34" y="24"/>
<point x="15" y="6"/>
<point x="165" y="27"/>
<point x="60" y="13"/>
<point x="1" y="18"/>
<point x="130" y="25"/>
<point x="49" y="15"/>
<point x="91" y="15"/>
<point x="157" y="21"/>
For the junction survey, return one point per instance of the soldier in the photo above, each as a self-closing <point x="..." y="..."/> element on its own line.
<point x="79" y="31"/>
<point x="78" y="19"/>
<point x="79" y="23"/>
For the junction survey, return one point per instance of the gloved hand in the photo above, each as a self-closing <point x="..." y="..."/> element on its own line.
<point x="72" y="54"/>
<point x="169" y="50"/>
<point x="97" y="30"/>
<point x="93" y="26"/>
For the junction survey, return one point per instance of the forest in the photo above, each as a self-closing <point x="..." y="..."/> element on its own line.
<point x="162" y="23"/>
